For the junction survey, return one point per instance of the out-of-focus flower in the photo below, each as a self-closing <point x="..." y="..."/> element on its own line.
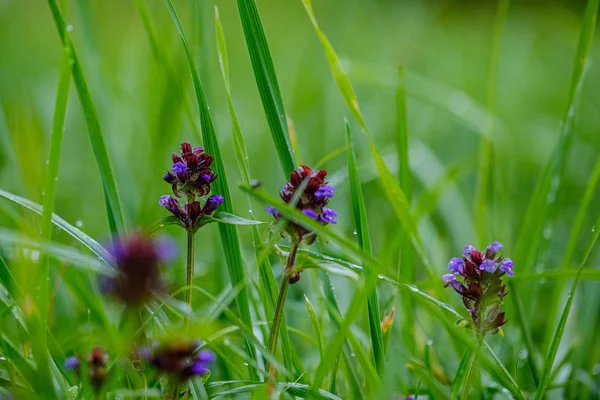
<point x="96" y="365"/>
<point x="179" y="358"/>
<point x="481" y="285"/>
<point x="138" y="261"/>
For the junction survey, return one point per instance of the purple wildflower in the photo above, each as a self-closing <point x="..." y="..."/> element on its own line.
<point x="506" y="266"/>
<point x="96" y="363"/>
<point x="456" y="265"/>
<point x="212" y="203"/>
<point x="481" y="286"/>
<point x="489" y="266"/>
<point x="137" y="263"/>
<point x="179" y="358"/>
<point x="72" y="363"/>
<point x="313" y="201"/>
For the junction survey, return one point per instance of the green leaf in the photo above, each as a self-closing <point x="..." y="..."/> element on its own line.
<point x="161" y="223"/>
<point x="229" y="235"/>
<point x="111" y="194"/>
<point x="314" y="320"/>
<point x="226" y="218"/>
<point x="461" y="374"/>
<point x="364" y="240"/>
<point x="78" y="235"/>
<point x="394" y="193"/>
<point x="266" y="80"/>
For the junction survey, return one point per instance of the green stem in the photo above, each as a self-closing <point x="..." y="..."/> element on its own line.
<point x="472" y="363"/>
<point x="285" y="284"/>
<point x="191" y="237"/>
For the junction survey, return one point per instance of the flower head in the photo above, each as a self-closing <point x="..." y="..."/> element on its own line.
<point x="190" y="177"/>
<point x="481" y="285"/>
<point x="179" y="358"/>
<point x="310" y="193"/>
<point x="137" y="261"/>
<point x="96" y="363"/>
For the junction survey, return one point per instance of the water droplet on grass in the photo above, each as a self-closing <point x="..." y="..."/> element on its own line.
<point x="79" y="223"/>
<point x="69" y="28"/>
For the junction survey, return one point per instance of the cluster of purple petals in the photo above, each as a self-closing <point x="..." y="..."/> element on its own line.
<point x="96" y="366"/>
<point x="314" y="198"/>
<point x="190" y="177"/>
<point x="137" y="263"/>
<point x="179" y="358"/>
<point x="480" y="276"/>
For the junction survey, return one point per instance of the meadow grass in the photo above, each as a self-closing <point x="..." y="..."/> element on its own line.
<point x="439" y="124"/>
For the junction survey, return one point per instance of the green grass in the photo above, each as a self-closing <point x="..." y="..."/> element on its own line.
<point x="440" y="124"/>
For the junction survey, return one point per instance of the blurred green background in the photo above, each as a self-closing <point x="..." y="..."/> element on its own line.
<point x="445" y="47"/>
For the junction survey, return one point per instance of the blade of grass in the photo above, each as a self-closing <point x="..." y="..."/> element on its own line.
<point x="266" y="277"/>
<point x="406" y="269"/>
<point x="364" y="240"/>
<point x="111" y="194"/>
<point x="266" y="80"/>
<point x="229" y="235"/>
<point x="314" y="320"/>
<point x="558" y="333"/>
<point x="483" y="188"/>
<point x="392" y="189"/>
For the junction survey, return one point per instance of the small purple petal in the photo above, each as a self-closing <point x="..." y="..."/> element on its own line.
<point x="145" y="353"/>
<point x="179" y="168"/>
<point x="488" y="265"/>
<point x="324" y="191"/>
<point x="206" y="356"/>
<point x="205" y="177"/>
<point x="273" y="211"/>
<point x="212" y="203"/>
<point x="456" y="265"/>
<point x="310" y="213"/>
<point x="506" y="266"/>
<point x="164" y="200"/>
<point x="447" y="278"/>
<point x="495" y="247"/>
<point x="468" y="249"/>
<point x="71" y="363"/>
<point x="329" y="216"/>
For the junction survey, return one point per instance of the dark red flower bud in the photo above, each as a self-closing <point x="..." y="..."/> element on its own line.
<point x="186" y="148"/>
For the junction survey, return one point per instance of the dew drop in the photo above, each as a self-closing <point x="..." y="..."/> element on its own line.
<point x="594" y="228"/>
<point x="413" y="288"/>
<point x="246" y="364"/>
<point x="352" y="355"/>
<point x="69" y="28"/>
<point x="354" y="232"/>
<point x="79" y="223"/>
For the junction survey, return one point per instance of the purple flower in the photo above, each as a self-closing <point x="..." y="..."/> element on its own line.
<point x="324" y="191"/>
<point x="273" y="211"/>
<point x="493" y="249"/>
<point x="328" y="216"/>
<point x="468" y="250"/>
<point x="179" y="358"/>
<point x="137" y="265"/>
<point x="447" y="278"/>
<point x="456" y="265"/>
<point x="506" y="266"/>
<point x="310" y="213"/>
<point x="212" y="203"/>
<point x="489" y="266"/>
<point x="72" y="363"/>
<point x="164" y="200"/>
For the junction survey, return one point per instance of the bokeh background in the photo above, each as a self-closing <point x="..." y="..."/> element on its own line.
<point x="445" y="48"/>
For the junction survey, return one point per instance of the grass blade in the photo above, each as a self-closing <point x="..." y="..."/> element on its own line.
<point x="551" y="356"/>
<point x="392" y="189"/>
<point x="265" y="271"/>
<point x="364" y="239"/>
<point x="111" y="194"/>
<point x="229" y="235"/>
<point x="266" y="80"/>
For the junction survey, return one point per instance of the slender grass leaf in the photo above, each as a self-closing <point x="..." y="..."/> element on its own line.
<point x="265" y="271"/>
<point x="111" y="194"/>
<point x="364" y="239"/>
<point x="229" y="235"/>
<point x="266" y="80"/>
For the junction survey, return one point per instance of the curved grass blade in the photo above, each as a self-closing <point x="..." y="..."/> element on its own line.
<point x="551" y="356"/>
<point x="364" y="239"/>
<point x="111" y="194"/>
<point x="78" y="235"/>
<point x="392" y="189"/>
<point x="229" y="235"/>
<point x="265" y="271"/>
<point x="266" y="80"/>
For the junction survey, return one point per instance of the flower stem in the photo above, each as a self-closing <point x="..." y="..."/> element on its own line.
<point x="285" y="284"/>
<point x="472" y="363"/>
<point x="191" y="238"/>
